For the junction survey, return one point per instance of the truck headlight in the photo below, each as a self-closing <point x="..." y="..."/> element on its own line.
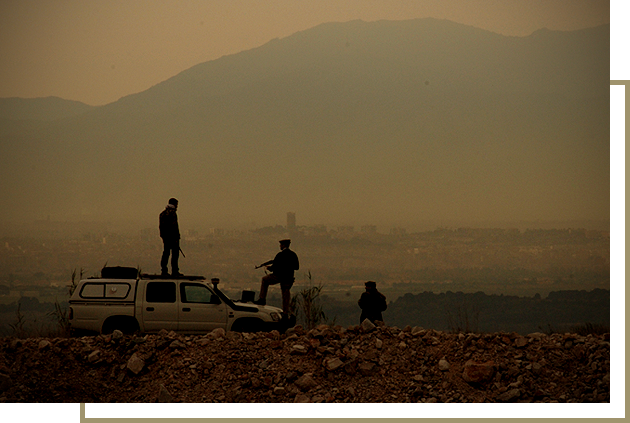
<point x="275" y="317"/>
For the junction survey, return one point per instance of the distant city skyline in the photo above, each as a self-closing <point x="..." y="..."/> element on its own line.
<point x="76" y="229"/>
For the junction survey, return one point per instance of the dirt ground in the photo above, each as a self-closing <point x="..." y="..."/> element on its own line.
<point x="357" y="364"/>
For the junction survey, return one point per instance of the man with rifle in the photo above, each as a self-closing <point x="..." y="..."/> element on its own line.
<point x="282" y="267"/>
<point x="169" y="232"/>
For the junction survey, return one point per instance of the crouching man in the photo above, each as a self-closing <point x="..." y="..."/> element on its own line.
<point x="372" y="303"/>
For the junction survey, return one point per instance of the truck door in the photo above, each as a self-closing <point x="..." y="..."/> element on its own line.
<point x="160" y="306"/>
<point x="200" y="310"/>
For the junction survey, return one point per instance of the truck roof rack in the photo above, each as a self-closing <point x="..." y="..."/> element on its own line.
<point x="119" y="272"/>
<point x="186" y="277"/>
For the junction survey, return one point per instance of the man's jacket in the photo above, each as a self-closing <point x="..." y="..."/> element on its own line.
<point x="284" y="264"/>
<point x="169" y="228"/>
<point x="372" y="304"/>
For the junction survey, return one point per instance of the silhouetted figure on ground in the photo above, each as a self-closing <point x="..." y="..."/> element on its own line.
<point x="169" y="232"/>
<point x="282" y="267"/>
<point x="372" y="303"/>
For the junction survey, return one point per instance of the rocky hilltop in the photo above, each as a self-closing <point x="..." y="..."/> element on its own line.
<point x="365" y="363"/>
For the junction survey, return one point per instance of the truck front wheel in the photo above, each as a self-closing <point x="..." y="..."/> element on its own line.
<point x="248" y="325"/>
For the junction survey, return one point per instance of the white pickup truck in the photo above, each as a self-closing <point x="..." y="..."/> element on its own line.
<point x="124" y="300"/>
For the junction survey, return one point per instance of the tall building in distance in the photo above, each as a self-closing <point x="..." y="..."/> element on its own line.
<point x="290" y="222"/>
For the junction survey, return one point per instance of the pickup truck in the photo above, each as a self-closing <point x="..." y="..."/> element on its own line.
<point x="128" y="301"/>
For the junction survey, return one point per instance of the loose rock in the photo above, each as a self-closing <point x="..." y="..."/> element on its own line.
<point x="334" y="364"/>
<point x="306" y="382"/>
<point x="43" y="344"/>
<point x="135" y="364"/>
<point x="367" y="326"/>
<point x="94" y="356"/>
<point x="164" y="395"/>
<point x="478" y="372"/>
<point x="509" y="396"/>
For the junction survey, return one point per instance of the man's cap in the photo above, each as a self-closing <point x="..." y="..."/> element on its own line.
<point x="285" y="241"/>
<point x="173" y="201"/>
<point x="370" y="284"/>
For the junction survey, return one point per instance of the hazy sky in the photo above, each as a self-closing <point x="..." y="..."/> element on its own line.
<point x="98" y="51"/>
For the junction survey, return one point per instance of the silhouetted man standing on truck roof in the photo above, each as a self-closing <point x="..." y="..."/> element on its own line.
<point x="282" y="267"/>
<point x="169" y="232"/>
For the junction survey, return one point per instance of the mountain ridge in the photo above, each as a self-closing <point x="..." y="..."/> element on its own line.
<point x="45" y="109"/>
<point x="368" y="125"/>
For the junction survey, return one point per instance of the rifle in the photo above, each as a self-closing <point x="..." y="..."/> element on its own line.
<point x="180" y="250"/>
<point x="267" y="263"/>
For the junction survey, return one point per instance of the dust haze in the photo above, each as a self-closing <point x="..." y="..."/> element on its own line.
<point x="417" y="124"/>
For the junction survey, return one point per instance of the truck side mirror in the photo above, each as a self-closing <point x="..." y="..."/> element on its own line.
<point x="214" y="299"/>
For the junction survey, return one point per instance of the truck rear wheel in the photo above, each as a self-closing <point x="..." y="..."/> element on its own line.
<point x="125" y="324"/>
